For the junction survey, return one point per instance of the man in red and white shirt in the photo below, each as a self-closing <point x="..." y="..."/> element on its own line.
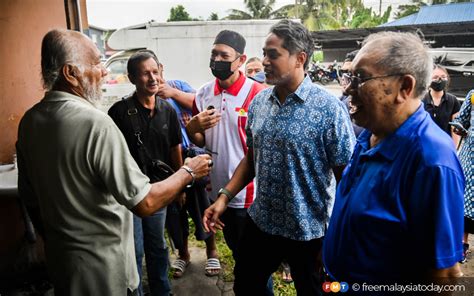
<point x="220" y="114"/>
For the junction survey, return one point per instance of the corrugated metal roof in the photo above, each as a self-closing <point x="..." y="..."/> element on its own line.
<point x="436" y="14"/>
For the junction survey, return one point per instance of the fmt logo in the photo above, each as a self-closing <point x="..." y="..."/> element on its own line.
<point x="335" y="287"/>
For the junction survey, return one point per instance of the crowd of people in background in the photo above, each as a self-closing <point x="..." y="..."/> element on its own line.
<point x="367" y="187"/>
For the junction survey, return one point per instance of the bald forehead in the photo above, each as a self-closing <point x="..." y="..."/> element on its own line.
<point x="83" y="44"/>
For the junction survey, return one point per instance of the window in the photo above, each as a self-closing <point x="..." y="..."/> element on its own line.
<point x="117" y="72"/>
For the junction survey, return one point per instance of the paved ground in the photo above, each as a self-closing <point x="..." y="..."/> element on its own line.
<point x="468" y="267"/>
<point x="194" y="282"/>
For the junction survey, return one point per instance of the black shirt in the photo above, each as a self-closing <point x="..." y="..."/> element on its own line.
<point x="443" y="113"/>
<point x="159" y="133"/>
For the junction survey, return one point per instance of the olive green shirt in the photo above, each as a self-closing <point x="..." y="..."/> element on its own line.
<point x="74" y="163"/>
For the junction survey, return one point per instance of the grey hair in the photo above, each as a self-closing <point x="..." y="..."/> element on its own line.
<point x="404" y="53"/>
<point x="296" y="38"/>
<point x="57" y="50"/>
<point x="253" y="59"/>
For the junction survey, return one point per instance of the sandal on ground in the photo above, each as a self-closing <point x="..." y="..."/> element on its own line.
<point x="286" y="274"/>
<point x="179" y="267"/>
<point x="213" y="267"/>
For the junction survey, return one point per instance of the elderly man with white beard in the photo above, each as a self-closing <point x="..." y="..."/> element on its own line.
<point x="76" y="169"/>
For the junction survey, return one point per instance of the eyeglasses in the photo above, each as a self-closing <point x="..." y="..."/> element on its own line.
<point x="355" y="81"/>
<point x="340" y="73"/>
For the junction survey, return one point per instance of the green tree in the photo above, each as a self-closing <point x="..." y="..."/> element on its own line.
<point x="256" y="9"/>
<point x="178" y="14"/>
<point x="366" y="18"/>
<point x="322" y="14"/>
<point x="213" y="17"/>
<point x="315" y="15"/>
<point x="407" y="9"/>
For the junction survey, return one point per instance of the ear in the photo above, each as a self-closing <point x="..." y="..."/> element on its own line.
<point x="71" y="74"/>
<point x="407" y="87"/>
<point x="131" y="78"/>
<point x="301" y="58"/>
<point x="160" y="69"/>
<point x="243" y="58"/>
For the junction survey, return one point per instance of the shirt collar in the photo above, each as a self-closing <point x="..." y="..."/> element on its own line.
<point x="57" y="96"/>
<point x="301" y="93"/>
<point x="443" y="98"/>
<point x="137" y="102"/>
<point x="233" y="89"/>
<point x="391" y="145"/>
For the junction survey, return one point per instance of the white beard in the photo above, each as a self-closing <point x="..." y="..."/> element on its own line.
<point x="93" y="93"/>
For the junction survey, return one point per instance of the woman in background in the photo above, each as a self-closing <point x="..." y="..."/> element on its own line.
<point x="441" y="105"/>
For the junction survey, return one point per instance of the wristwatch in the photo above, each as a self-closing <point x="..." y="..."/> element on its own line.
<point x="226" y="193"/>
<point x="191" y="172"/>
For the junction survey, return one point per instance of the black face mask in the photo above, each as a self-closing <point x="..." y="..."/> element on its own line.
<point x="221" y="69"/>
<point x="438" y="85"/>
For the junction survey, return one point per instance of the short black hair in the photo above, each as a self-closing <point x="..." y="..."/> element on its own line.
<point x="296" y="38"/>
<point x="137" y="58"/>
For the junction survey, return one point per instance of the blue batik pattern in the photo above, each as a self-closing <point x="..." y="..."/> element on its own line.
<point x="295" y="147"/>
<point x="466" y="118"/>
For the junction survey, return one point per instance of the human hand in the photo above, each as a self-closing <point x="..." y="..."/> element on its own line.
<point x="201" y="165"/>
<point x="205" y="120"/>
<point x="211" y="219"/>
<point x="165" y="90"/>
<point x="458" y="129"/>
<point x="459" y="132"/>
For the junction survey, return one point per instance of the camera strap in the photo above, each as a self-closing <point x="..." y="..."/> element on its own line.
<point x="132" y="113"/>
<point x="143" y="153"/>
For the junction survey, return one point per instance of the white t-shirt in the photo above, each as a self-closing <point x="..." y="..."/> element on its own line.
<point x="227" y="141"/>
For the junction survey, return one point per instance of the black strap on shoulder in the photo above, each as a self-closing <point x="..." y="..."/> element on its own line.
<point x="145" y="157"/>
<point x="132" y="113"/>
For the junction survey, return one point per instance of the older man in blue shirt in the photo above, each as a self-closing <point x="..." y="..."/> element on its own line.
<point x="399" y="206"/>
<point x="300" y="138"/>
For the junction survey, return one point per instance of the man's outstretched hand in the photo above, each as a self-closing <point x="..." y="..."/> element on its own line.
<point x="211" y="219"/>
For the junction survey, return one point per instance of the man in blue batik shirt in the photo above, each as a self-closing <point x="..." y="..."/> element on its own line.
<point x="398" y="214"/>
<point x="299" y="138"/>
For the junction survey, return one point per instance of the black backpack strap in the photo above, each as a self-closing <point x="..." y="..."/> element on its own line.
<point x="132" y="113"/>
<point x="158" y="168"/>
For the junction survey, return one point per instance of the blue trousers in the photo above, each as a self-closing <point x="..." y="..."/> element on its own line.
<point x="150" y="241"/>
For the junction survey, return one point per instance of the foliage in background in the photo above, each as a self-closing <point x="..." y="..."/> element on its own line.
<point x="213" y="17"/>
<point x="179" y="14"/>
<point x="318" y="56"/>
<point x="316" y="15"/>
<point x="256" y="9"/>
<point x="366" y="18"/>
